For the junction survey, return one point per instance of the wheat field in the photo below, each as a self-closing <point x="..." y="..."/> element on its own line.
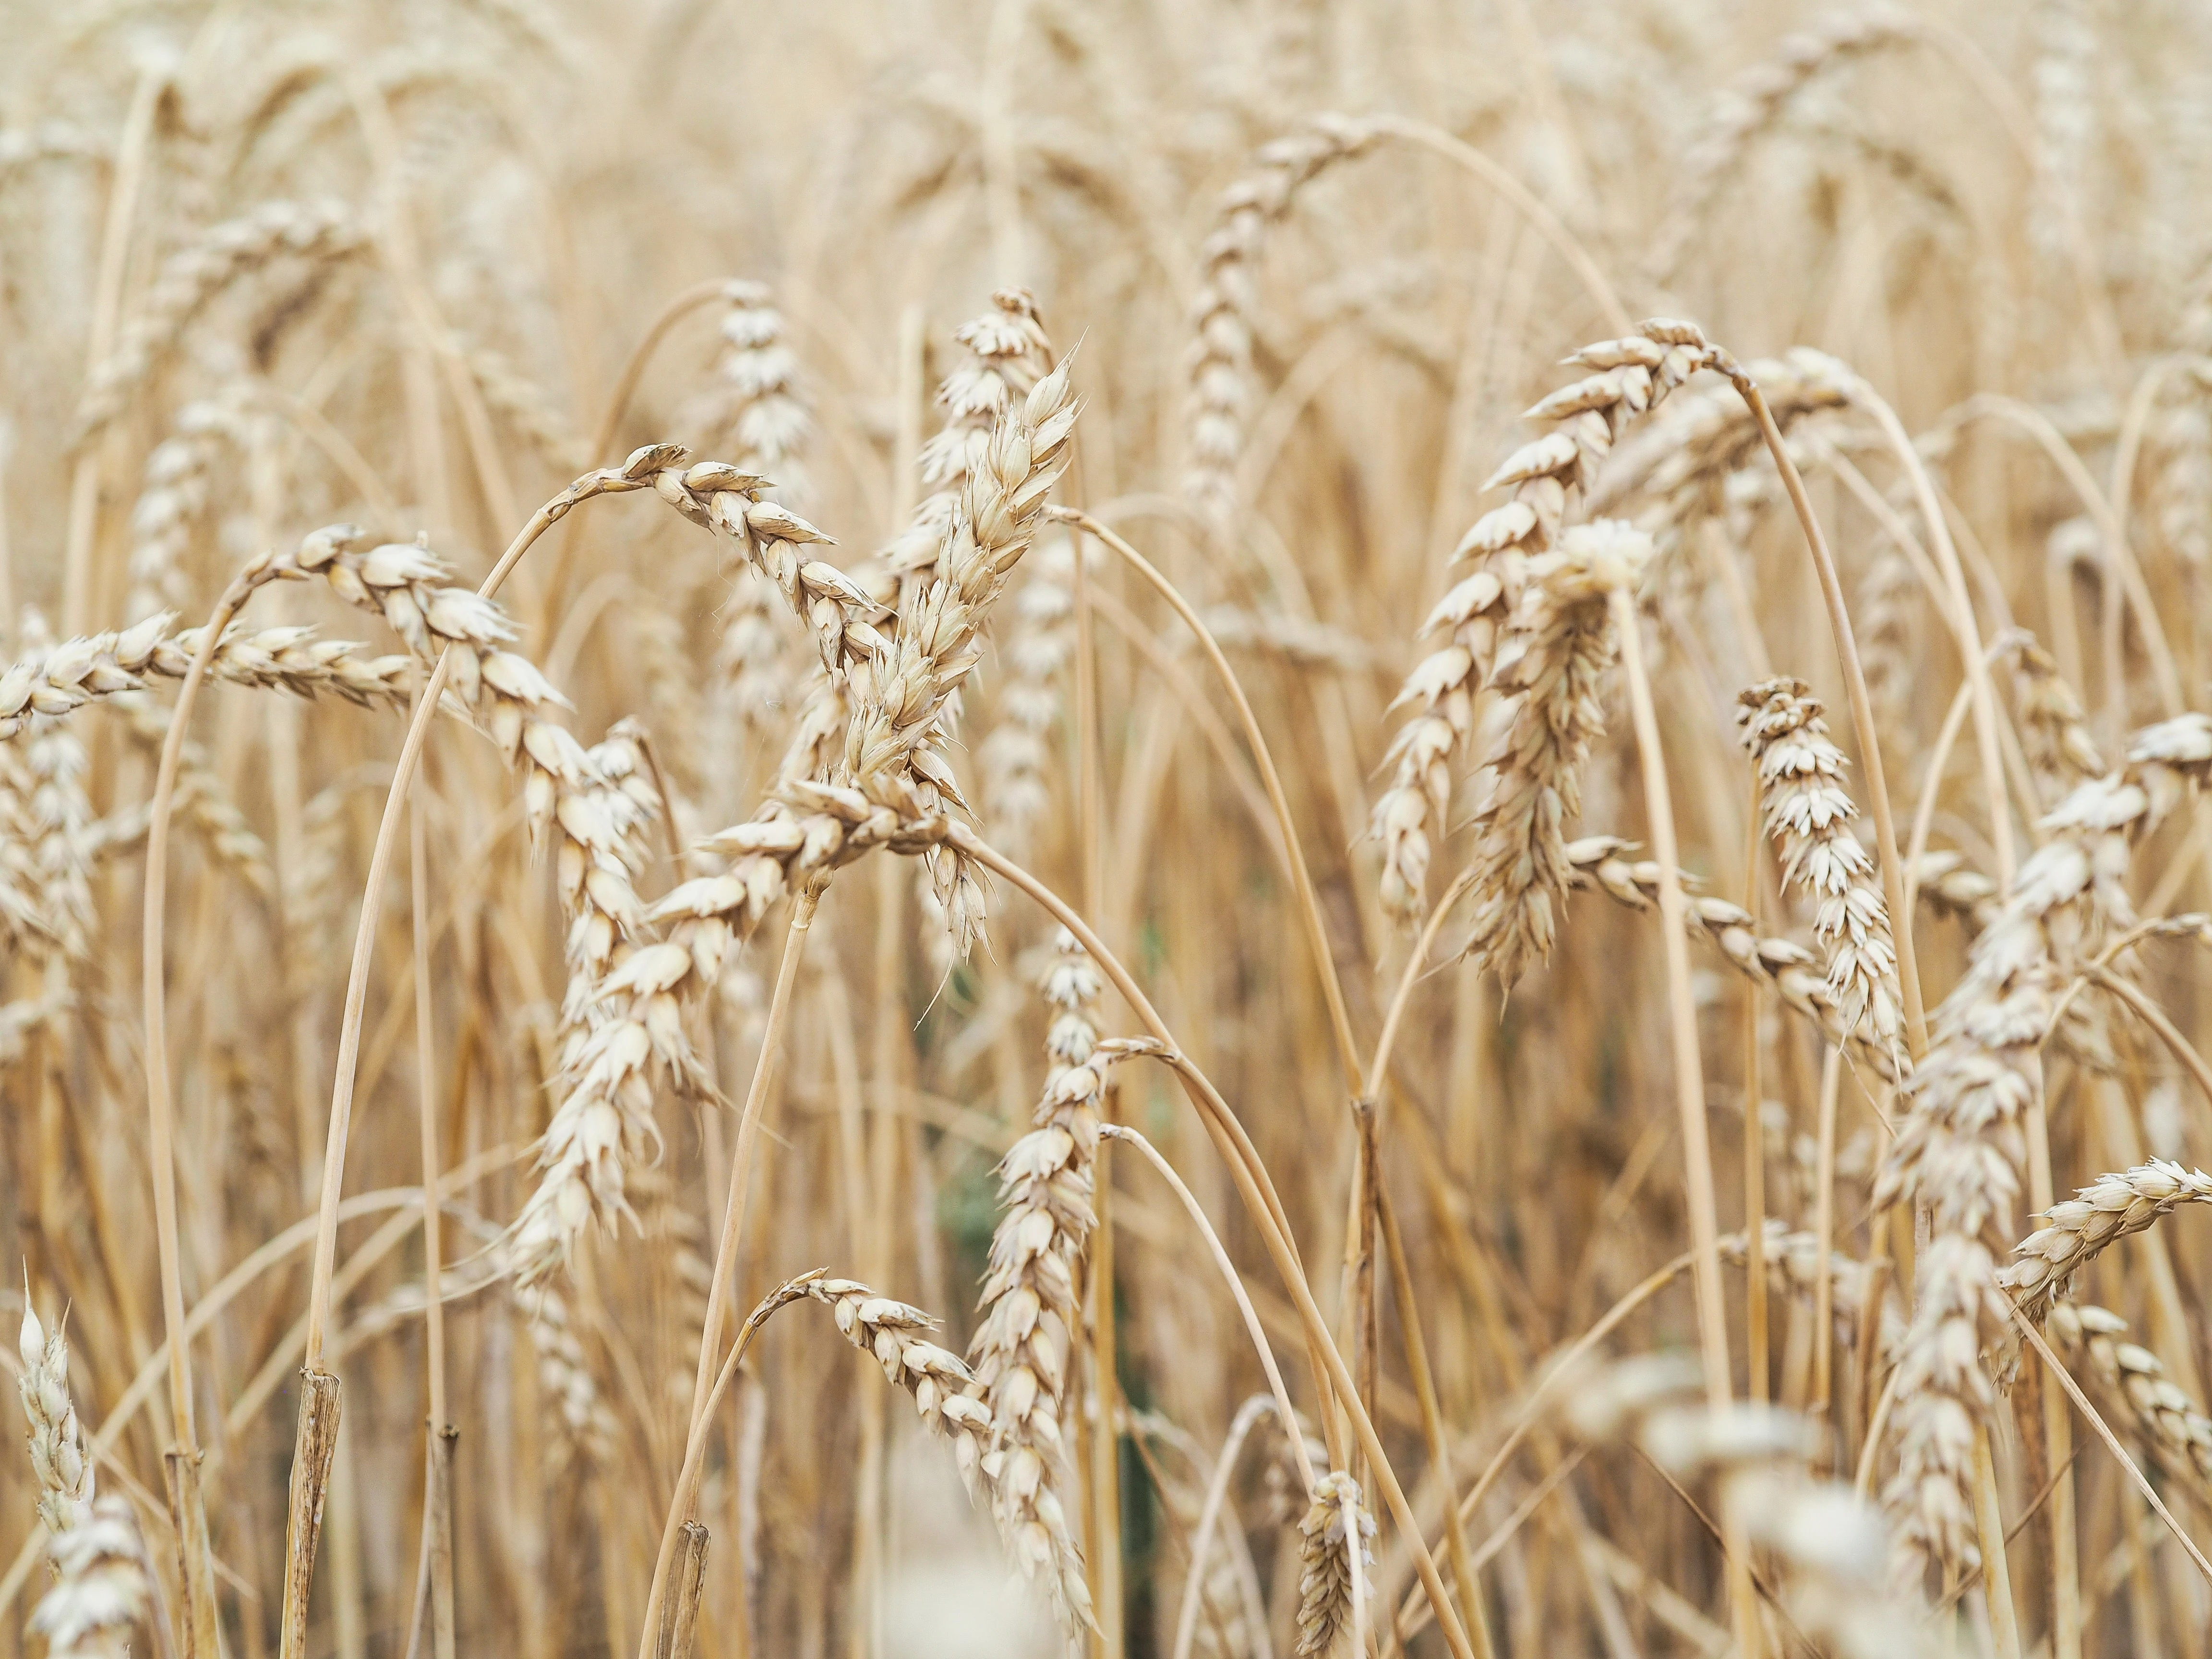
<point x="1399" y="785"/>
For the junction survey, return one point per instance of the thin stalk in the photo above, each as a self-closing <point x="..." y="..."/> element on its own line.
<point x="1689" y="1074"/>
<point x="1409" y="977"/>
<point x="707" y="1387"/>
<point x="1996" y="1570"/>
<point x="1931" y="787"/>
<point x="694" y="1448"/>
<point x="1234" y="1280"/>
<point x="1103" y="1563"/>
<point x="1217" y="1493"/>
<point x="1260" y="1201"/>
<point x="195" y="1566"/>
<point x="1432" y="1423"/>
<point x="437" y="1552"/>
<point x="107" y="314"/>
<point x="1758" y="1380"/>
<point x="1546" y="224"/>
<point x="1316" y="928"/>
<point x="1862" y="725"/>
<point x="1823" y="1236"/>
<point x="682" y="306"/>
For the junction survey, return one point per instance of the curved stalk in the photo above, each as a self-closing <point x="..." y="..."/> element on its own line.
<point x="688" y="300"/>
<point x="1317" y="928"/>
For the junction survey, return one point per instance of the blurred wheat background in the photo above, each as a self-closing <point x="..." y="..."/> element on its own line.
<point x="1407" y="998"/>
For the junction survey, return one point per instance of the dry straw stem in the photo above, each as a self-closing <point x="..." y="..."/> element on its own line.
<point x="320" y="1405"/>
<point x="1277" y="1393"/>
<point x="2081" y="1228"/>
<point x="1316" y="925"/>
<point x="1248" y="1418"/>
<point x="674" y="311"/>
<point x="1689" y="1071"/>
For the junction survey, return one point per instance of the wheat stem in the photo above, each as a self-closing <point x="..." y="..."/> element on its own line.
<point x="1309" y="914"/>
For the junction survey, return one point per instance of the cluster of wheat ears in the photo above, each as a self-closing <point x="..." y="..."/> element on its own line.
<point x="1399" y="783"/>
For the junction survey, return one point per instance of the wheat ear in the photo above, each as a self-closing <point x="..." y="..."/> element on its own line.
<point x="1633" y="375"/>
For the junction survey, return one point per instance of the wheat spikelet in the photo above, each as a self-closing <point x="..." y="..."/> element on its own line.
<point x="2083" y="1227"/>
<point x="60" y="681"/>
<point x="527" y="408"/>
<point x="1008" y="353"/>
<point x="1679" y="465"/>
<point x="1218" y="363"/>
<point x="21" y="920"/>
<point x="1754" y="103"/>
<point x="755" y="401"/>
<point x="1327" y="1558"/>
<point x="1808" y="816"/>
<point x="60" y="1460"/>
<point x="2173" y="1425"/>
<point x="1793" y="1259"/>
<point x="192" y="277"/>
<point x="60" y="815"/>
<point x="584" y="1427"/>
<point x="1952" y="887"/>
<point x="1555" y="654"/>
<point x="894" y="746"/>
<point x="1633" y="376"/>
<point x="1780" y="965"/>
<point x="1016" y="754"/>
<point x="101" y="1586"/>
<point x="2054" y="733"/>
<point x="173" y="500"/>
<point x="1032" y="1318"/>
